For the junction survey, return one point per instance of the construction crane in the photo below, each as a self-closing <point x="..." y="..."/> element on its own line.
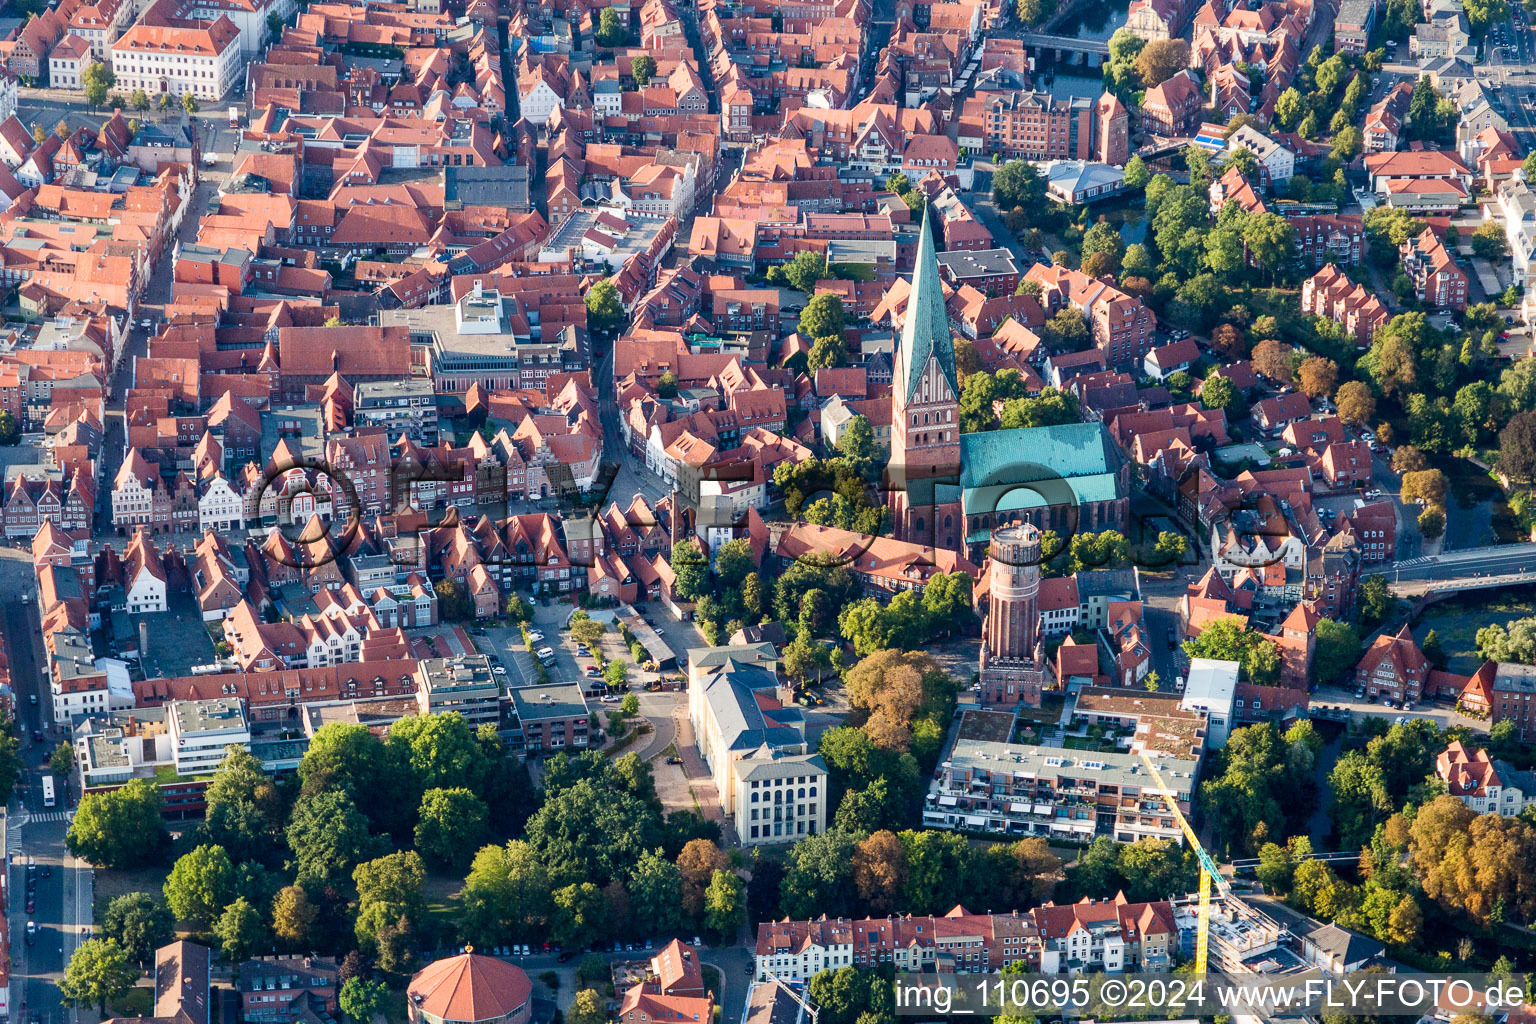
<point x="805" y="1004"/>
<point x="1209" y="873"/>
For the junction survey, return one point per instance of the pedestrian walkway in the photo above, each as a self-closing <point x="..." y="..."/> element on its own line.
<point x="52" y="816"/>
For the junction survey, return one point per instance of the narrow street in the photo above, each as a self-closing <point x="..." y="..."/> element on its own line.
<point x="63" y="897"/>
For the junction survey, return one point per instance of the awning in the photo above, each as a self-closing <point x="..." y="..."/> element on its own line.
<point x="1019" y="808"/>
<point x="947" y="801"/>
<point x="975" y="820"/>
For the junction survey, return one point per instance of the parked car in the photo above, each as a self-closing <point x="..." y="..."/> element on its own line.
<point x="591" y="672"/>
<point x="674" y="760"/>
<point x="535" y="635"/>
<point x="546" y="652"/>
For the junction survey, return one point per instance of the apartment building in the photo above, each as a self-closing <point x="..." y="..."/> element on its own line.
<point x="796" y="951"/>
<point x="1123" y="328"/>
<point x="1021" y="790"/>
<point x="552" y="718"/>
<point x="1173" y="108"/>
<point x="463" y="684"/>
<point x="403" y="408"/>
<point x="1506" y="692"/>
<point x="1109" y="935"/>
<point x="1516" y="204"/>
<point x="1437" y="279"/>
<point x="1032" y="125"/>
<point x="200" y="730"/>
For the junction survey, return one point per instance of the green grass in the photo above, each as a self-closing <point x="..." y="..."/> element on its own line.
<point x="135" y="1004"/>
<point x="443" y="903"/>
<point x="111" y="884"/>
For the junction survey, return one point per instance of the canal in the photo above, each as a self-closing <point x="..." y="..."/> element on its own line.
<point x="1092" y="19"/>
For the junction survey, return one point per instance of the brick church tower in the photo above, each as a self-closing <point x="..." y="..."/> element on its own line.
<point x="924" y="472"/>
<point x="1012" y="655"/>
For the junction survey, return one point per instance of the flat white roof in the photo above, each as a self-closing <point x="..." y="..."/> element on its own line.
<point x="1211" y="684"/>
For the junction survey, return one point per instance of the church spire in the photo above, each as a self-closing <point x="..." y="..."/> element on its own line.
<point x="926" y="330"/>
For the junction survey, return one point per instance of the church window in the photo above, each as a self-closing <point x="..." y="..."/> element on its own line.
<point x="919" y="524"/>
<point x="949" y="521"/>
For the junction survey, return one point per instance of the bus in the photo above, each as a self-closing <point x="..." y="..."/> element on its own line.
<point x="48" y="800"/>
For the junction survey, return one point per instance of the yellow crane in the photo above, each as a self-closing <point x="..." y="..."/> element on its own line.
<point x="1209" y="874"/>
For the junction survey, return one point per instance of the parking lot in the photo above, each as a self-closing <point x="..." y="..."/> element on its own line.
<point x="1340" y="704"/>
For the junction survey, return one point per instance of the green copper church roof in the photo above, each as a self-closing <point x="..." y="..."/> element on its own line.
<point x="1033" y="467"/>
<point x="926" y="330"/>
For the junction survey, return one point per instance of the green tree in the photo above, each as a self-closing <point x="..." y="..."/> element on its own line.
<point x="803" y="272"/>
<point x="1018" y="183"/>
<point x="140" y="923"/>
<point x="1517" y="446"/>
<point x="10" y="430"/>
<point x="121" y="828"/>
<point x="329" y="837"/>
<point x="823" y="317"/>
<point x="506" y="893"/>
<point x="605" y="311"/>
<point x="827" y="353"/>
<point x="643" y="67"/>
<point x="1290" y="108"/>
<point x="690" y="570"/>
<point x="1488" y="242"/>
<point x="666" y="385"/>
<point x="1361" y="799"/>
<point x="610" y="30"/>
<point x="724" y="903"/>
<point x="189" y="103"/>
<point x="99" y="972"/>
<point x="1346" y="143"/>
<point x="442" y="750"/>
<point x="451" y="827"/>
<point x="1218" y="393"/>
<point x="656" y="891"/>
<point x="241" y="930"/>
<point x="362" y="999"/>
<point x="1432" y="522"/>
<point x="579" y="913"/>
<point x="1228" y="639"/>
<point x="1136" y="175"/>
<point x="1375" y="600"/>
<point x="617" y="675"/>
<point x="1337" y="649"/>
<point x="243" y="807"/>
<point x="390" y="890"/>
<point x="98" y="81"/>
<point x="200" y="885"/>
<point x="140" y="100"/>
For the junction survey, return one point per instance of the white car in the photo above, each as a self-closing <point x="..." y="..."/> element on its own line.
<point x="498" y="670"/>
<point x="535" y="635"/>
<point x="545" y="652"/>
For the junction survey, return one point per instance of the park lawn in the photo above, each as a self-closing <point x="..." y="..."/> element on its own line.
<point x="443" y="904"/>
<point x="113" y="883"/>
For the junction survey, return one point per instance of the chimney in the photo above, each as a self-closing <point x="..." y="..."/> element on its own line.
<point x="143" y="639"/>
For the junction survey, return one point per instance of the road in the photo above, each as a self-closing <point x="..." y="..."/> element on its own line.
<point x="1489" y="561"/>
<point x="63" y="900"/>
